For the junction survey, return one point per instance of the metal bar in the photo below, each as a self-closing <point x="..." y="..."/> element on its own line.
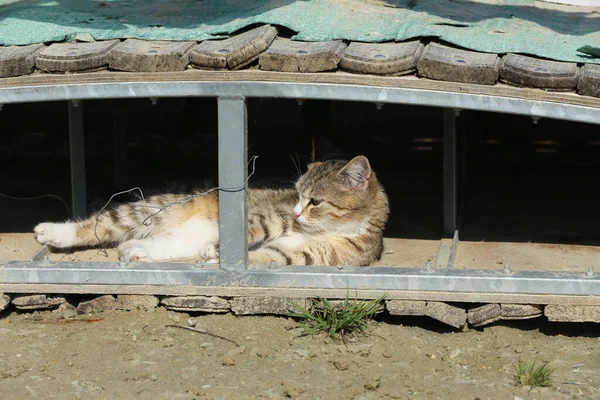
<point x="41" y="254"/>
<point x="365" y="278"/>
<point x="77" y="155"/>
<point x="443" y="255"/>
<point x="296" y="90"/>
<point x="233" y="173"/>
<point x="449" y="170"/>
<point x="453" y="250"/>
<point x="235" y="291"/>
<point x="464" y="125"/>
<point x="120" y="164"/>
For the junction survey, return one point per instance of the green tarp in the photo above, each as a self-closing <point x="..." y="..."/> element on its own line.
<point x="520" y="26"/>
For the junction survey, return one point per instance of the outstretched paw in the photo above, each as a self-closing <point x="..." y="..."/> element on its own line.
<point x="135" y="251"/>
<point x="210" y="253"/>
<point x="60" y="235"/>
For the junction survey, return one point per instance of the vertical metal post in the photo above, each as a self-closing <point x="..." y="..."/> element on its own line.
<point x="120" y="165"/>
<point x="464" y="126"/>
<point x="233" y="172"/>
<point x="317" y="121"/>
<point x="449" y="170"/>
<point x="77" y="153"/>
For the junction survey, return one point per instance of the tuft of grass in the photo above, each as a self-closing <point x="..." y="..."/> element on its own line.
<point x="337" y="320"/>
<point x="530" y="374"/>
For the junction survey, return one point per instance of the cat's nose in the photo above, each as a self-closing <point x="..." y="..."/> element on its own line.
<point x="297" y="210"/>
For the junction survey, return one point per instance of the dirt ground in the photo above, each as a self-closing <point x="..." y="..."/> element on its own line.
<point x="124" y="355"/>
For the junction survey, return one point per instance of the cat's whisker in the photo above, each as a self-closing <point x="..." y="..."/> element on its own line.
<point x="299" y="169"/>
<point x="299" y="173"/>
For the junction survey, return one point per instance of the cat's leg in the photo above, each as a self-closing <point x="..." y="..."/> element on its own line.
<point x="158" y="214"/>
<point x="284" y="250"/>
<point x="273" y="254"/>
<point x="298" y="250"/>
<point x="111" y="226"/>
<point x="263" y="228"/>
<point x="193" y="238"/>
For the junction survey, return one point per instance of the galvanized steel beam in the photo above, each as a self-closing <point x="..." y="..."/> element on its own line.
<point x="360" y="278"/>
<point x="233" y="173"/>
<point x="449" y="170"/>
<point x="322" y="91"/>
<point x="77" y="157"/>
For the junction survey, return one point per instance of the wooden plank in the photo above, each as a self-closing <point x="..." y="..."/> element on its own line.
<point x="341" y="78"/>
<point x="150" y="56"/>
<point x="253" y="305"/>
<point x="572" y="313"/>
<point x="382" y="58"/>
<point x="4" y="301"/>
<point x="37" y="301"/>
<point x="446" y="313"/>
<point x="484" y="315"/>
<point x="196" y="303"/>
<point x="180" y="290"/>
<point x="235" y="52"/>
<point x="291" y="56"/>
<point x="520" y="311"/>
<point x="589" y="80"/>
<point x="18" y="60"/>
<point x="406" y="307"/>
<point x="75" y="57"/>
<point x="519" y="70"/>
<point x="488" y="313"/>
<point x="455" y="65"/>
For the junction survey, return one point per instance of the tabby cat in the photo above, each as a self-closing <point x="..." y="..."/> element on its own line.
<point x="335" y="215"/>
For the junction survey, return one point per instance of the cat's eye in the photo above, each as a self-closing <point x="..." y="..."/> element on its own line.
<point x="315" y="202"/>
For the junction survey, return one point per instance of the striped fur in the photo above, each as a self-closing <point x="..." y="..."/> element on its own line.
<point x="335" y="215"/>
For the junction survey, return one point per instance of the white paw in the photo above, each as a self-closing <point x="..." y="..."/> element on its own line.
<point x="61" y="235"/>
<point x="134" y="250"/>
<point x="210" y="252"/>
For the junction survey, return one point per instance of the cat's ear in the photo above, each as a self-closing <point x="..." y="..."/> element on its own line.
<point x="356" y="173"/>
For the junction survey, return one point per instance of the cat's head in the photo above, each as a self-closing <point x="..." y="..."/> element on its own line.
<point x="337" y="194"/>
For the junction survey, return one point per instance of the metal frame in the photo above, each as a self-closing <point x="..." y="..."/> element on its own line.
<point x="77" y="155"/>
<point x="233" y="172"/>
<point x="373" y="278"/>
<point x="315" y="91"/>
<point x="233" y="206"/>
<point x="449" y="170"/>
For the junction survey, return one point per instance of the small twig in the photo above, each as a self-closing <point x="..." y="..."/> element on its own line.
<point x="189" y="328"/>
<point x="578" y="365"/>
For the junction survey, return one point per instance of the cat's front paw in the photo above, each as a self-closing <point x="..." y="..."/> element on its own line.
<point x="210" y="252"/>
<point x="135" y="251"/>
<point x="60" y="235"/>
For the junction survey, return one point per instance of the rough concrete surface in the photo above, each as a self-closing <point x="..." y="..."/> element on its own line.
<point x="196" y="303"/>
<point x="568" y="313"/>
